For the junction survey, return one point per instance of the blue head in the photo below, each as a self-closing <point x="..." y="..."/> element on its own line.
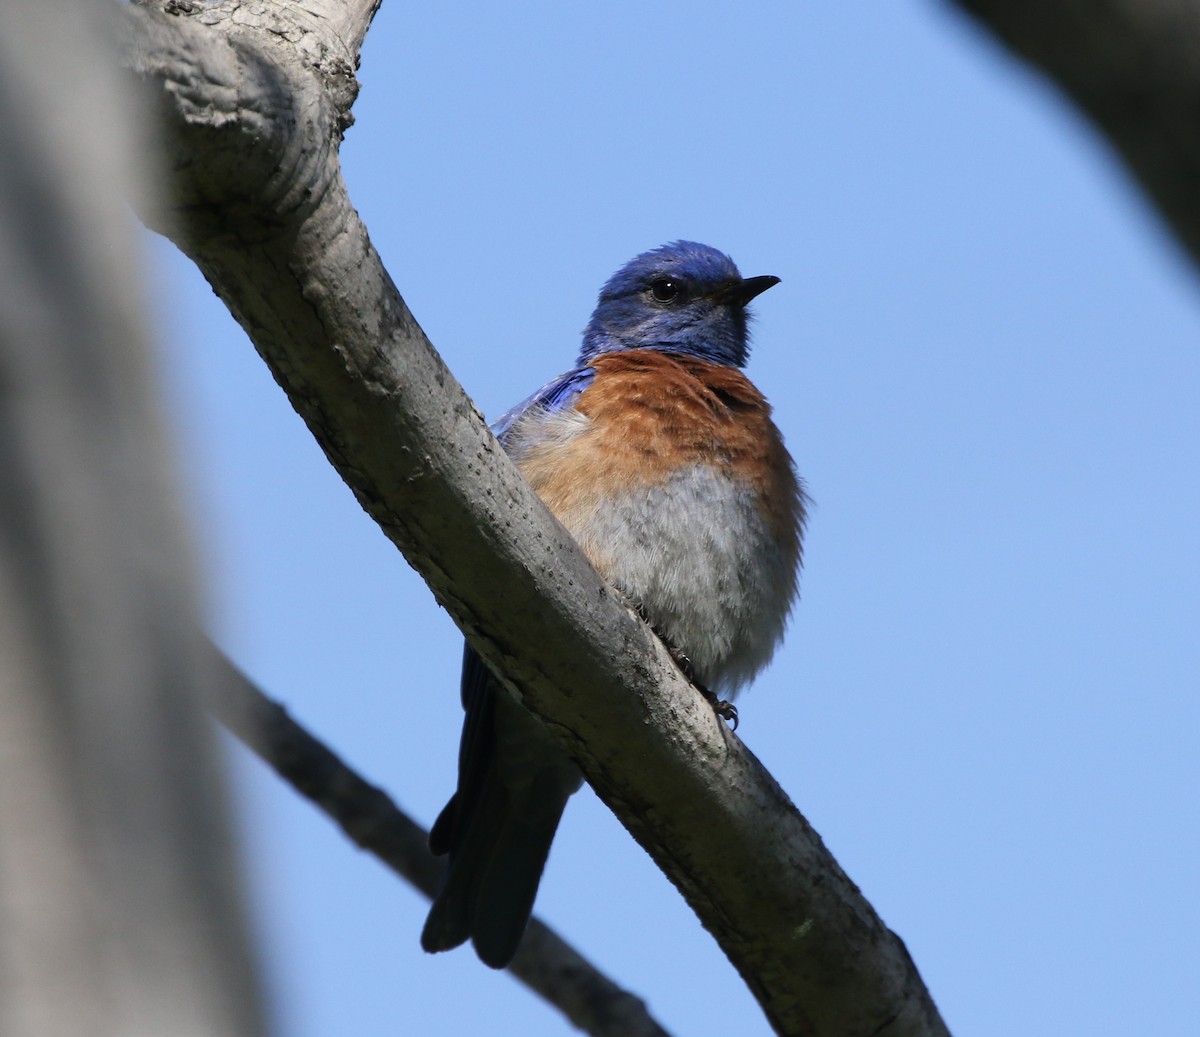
<point x="683" y="297"/>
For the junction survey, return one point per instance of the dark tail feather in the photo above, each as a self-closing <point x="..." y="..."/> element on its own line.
<point x="493" y="875"/>
<point x="513" y="784"/>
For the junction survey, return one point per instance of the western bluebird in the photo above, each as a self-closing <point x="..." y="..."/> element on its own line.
<point x="661" y="459"/>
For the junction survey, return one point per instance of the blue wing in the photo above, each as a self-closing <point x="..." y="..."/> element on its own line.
<point x="556" y="395"/>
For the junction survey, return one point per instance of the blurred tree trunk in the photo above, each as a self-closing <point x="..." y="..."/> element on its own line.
<point x="120" y="908"/>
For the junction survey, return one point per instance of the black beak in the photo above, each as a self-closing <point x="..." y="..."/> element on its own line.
<point x="738" y="293"/>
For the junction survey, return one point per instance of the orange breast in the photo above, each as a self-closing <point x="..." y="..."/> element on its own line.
<point x="649" y="414"/>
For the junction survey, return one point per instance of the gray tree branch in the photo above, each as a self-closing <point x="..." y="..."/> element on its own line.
<point x="252" y="128"/>
<point x="1132" y="66"/>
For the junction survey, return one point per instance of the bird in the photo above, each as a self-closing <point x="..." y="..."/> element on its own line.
<point x="661" y="458"/>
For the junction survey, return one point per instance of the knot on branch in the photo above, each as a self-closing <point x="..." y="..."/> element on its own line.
<point x="253" y="102"/>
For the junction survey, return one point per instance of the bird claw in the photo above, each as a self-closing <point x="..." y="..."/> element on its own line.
<point x="726" y="710"/>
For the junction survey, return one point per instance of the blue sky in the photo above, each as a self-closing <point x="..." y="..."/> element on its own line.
<point x="984" y="355"/>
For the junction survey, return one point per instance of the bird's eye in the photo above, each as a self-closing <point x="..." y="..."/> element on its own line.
<point x="667" y="289"/>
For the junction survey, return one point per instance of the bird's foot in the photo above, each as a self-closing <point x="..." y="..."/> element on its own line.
<point x="725" y="709"/>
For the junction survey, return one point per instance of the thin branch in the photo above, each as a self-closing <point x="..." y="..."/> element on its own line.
<point x="546" y="963"/>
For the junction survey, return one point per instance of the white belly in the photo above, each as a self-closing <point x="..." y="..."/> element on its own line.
<point x="696" y="554"/>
